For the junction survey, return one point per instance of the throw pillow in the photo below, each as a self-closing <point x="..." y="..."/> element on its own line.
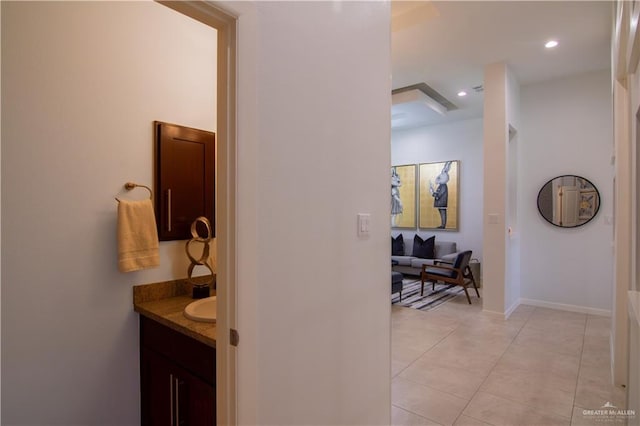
<point x="397" y="246"/>
<point x="424" y="248"/>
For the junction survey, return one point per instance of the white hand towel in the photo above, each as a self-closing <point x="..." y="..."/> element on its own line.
<point x="137" y="236"/>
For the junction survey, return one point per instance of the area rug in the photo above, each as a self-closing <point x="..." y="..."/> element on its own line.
<point x="431" y="299"/>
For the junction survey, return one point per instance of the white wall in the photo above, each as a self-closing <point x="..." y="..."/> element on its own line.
<point x="81" y="84"/>
<point x="313" y="152"/>
<point x="567" y="129"/>
<point x="462" y="141"/>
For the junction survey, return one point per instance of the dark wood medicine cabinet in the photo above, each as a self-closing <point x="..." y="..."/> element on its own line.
<point x="185" y="179"/>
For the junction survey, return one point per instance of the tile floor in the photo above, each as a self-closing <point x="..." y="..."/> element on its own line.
<point x="456" y="365"/>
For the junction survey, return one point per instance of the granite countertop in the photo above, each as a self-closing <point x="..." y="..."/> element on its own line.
<point x="164" y="302"/>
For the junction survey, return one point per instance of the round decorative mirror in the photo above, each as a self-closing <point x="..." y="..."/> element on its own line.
<point x="568" y="201"/>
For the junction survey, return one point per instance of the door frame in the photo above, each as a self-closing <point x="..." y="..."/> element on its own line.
<point x="225" y="22"/>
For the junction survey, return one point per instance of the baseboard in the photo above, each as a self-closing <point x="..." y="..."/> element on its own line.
<point x="498" y="315"/>
<point x="506" y="314"/>
<point x="612" y="364"/>
<point x="513" y="307"/>
<point x="564" y="307"/>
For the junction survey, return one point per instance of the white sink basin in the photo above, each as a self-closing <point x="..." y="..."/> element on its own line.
<point x="204" y="310"/>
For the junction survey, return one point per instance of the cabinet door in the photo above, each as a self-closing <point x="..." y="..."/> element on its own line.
<point x="195" y="401"/>
<point x="171" y="396"/>
<point x="156" y="390"/>
<point x="185" y="173"/>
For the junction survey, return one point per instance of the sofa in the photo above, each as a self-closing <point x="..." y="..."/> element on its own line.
<point x="418" y="252"/>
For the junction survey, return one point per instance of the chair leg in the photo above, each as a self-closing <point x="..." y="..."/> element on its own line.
<point x="433" y="285"/>
<point x="422" y="287"/>
<point x="464" y="287"/>
<point x="473" y="280"/>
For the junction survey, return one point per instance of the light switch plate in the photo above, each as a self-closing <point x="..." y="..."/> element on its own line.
<point x="364" y="224"/>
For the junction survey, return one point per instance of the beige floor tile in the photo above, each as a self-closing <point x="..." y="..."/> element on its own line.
<point x="432" y="404"/>
<point x="490" y="343"/>
<point x="582" y="417"/>
<point x="483" y="319"/>
<point x="595" y="358"/>
<point x="537" y="360"/>
<point x="597" y="343"/>
<point x="469" y="421"/>
<point x="553" y="326"/>
<point x="499" y="411"/>
<point x="456" y="310"/>
<point x="598" y="325"/>
<point x="405" y="355"/>
<point x="492" y="337"/>
<point x="544" y="391"/>
<point x="401" y="417"/>
<point x="420" y="335"/>
<point x="593" y="392"/>
<point x="558" y="314"/>
<point x="465" y="355"/>
<point x="452" y="314"/>
<point x="586" y="417"/>
<point x="539" y="367"/>
<point x="523" y="311"/>
<point x="559" y="340"/>
<point x="397" y="367"/>
<point x="450" y="379"/>
<point x="431" y="323"/>
<point x="596" y="374"/>
<point x="578" y="418"/>
<point x="418" y="340"/>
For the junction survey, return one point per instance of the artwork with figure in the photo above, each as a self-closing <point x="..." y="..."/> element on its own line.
<point x="439" y="195"/>
<point x="403" y="196"/>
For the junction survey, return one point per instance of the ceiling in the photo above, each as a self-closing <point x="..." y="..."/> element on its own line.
<point x="446" y="44"/>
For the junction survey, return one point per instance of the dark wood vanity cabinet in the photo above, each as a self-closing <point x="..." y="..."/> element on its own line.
<point x="177" y="378"/>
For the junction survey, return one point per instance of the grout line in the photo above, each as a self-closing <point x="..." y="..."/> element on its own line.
<point x="520" y="402"/>
<point x="490" y="371"/>
<point x="459" y="326"/>
<point x="575" y="391"/>
<point x="423" y="353"/>
<point x="419" y="415"/>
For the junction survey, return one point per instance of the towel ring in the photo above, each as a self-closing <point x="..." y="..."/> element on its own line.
<point x="132" y="185"/>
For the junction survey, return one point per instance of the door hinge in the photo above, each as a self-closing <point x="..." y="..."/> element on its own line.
<point x="234" y="337"/>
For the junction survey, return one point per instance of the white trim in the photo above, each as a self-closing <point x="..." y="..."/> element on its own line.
<point x="507" y="313"/>
<point x="226" y="24"/>
<point x="564" y="307"/>
<point x="513" y="307"/>
<point x="612" y="353"/>
<point x="499" y="314"/>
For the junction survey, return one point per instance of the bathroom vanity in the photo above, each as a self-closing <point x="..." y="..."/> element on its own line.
<point x="177" y="359"/>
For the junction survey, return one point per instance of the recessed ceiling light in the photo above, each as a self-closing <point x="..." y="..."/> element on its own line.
<point x="550" y="44"/>
<point x="462" y="93"/>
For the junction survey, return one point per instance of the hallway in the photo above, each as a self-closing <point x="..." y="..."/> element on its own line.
<point x="458" y="365"/>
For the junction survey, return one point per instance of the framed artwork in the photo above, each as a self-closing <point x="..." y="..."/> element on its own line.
<point x="403" y="196"/>
<point x="588" y="205"/>
<point x="438" y="195"/>
<point x="584" y="185"/>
